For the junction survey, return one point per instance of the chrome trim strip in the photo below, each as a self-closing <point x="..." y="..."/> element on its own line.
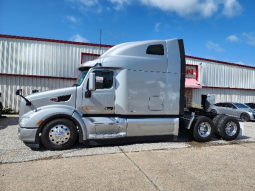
<point x="107" y="136"/>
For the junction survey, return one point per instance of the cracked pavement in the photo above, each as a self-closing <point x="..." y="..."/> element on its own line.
<point x="181" y="165"/>
<point x="14" y="150"/>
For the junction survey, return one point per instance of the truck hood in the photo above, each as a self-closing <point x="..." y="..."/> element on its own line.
<point x="64" y="96"/>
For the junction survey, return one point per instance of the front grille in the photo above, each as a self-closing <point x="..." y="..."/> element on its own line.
<point x="64" y="98"/>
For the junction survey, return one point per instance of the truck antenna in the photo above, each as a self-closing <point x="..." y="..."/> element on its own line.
<point x="100" y="39"/>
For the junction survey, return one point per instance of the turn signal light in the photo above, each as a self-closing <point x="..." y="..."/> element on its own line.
<point x="39" y="122"/>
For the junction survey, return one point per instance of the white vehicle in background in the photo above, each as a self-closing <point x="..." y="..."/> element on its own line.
<point x="133" y="92"/>
<point x="239" y="110"/>
<point x="251" y="105"/>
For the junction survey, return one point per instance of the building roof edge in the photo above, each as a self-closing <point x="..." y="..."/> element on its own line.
<point x="220" y="62"/>
<point x="54" y="40"/>
<point x="109" y="46"/>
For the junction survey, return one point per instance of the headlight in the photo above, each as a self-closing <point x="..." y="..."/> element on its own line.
<point x="24" y="121"/>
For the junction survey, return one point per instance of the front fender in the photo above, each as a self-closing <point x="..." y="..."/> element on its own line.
<point x="82" y="127"/>
<point x="36" y="117"/>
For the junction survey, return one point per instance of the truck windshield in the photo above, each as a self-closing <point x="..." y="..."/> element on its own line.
<point x="81" y="77"/>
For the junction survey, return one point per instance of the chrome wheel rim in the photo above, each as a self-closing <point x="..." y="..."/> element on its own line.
<point x="59" y="134"/>
<point x="231" y="128"/>
<point x="204" y="129"/>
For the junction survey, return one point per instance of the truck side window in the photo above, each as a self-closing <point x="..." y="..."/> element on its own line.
<point x="156" y="49"/>
<point x="104" y="80"/>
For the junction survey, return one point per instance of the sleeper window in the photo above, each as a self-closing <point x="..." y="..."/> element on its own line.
<point x="156" y="49"/>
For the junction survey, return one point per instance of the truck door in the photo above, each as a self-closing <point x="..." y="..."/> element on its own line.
<point x="101" y="101"/>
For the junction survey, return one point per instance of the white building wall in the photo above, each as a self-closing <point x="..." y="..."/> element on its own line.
<point x="222" y="95"/>
<point x="38" y="59"/>
<point x="9" y="85"/>
<point x="223" y="75"/>
<point x="228" y="82"/>
<point x="34" y="64"/>
<point x="31" y="57"/>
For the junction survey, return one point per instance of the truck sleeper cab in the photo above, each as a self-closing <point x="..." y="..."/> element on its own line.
<point x="134" y="91"/>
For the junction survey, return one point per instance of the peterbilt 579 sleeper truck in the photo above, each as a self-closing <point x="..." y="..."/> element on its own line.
<point x="133" y="92"/>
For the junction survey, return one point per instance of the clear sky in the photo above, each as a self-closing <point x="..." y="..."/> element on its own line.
<point x="214" y="29"/>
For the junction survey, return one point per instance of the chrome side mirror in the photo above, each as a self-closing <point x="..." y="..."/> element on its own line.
<point x="92" y="82"/>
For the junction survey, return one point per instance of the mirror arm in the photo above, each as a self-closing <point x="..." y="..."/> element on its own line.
<point x="27" y="101"/>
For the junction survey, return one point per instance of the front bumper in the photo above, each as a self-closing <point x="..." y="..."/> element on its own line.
<point x="27" y="134"/>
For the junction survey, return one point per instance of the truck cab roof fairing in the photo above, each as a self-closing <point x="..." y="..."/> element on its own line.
<point x="133" y="56"/>
<point x="91" y="63"/>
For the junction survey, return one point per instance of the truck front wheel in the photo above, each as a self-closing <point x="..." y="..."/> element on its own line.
<point x="203" y="129"/>
<point x="59" y="134"/>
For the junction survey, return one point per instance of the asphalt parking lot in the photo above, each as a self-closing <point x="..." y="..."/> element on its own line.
<point x="14" y="150"/>
<point x="181" y="165"/>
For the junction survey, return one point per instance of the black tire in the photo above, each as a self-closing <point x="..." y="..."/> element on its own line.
<point x="1" y="110"/>
<point x="245" y="117"/>
<point x="59" y="134"/>
<point x="203" y="129"/>
<point x="228" y="128"/>
<point x="213" y="111"/>
<point x="216" y="120"/>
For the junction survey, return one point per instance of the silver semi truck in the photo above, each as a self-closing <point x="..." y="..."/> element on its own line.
<point x="133" y="92"/>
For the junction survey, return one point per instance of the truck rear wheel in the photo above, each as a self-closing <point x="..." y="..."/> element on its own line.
<point x="59" y="134"/>
<point x="216" y="120"/>
<point x="228" y="128"/>
<point x="203" y="129"/>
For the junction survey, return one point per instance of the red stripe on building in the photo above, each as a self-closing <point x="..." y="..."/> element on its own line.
<point x="109" y="46"/>
<point x="37" y="76"/>
<point x="53" y="40"/>
<point x="220" y="62"/>
<point x="218" y="87"/>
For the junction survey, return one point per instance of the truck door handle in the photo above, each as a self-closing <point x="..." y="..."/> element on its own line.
<point x="108" y="108"/>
